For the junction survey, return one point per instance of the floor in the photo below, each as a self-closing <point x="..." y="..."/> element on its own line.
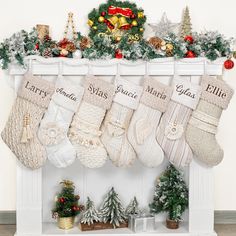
<point x="222" y="230"/>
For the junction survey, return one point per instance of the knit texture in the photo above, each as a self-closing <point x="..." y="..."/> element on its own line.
<point x="30" y="153"/>
<point x="145" y="120"/>
<point x="85" y="132"/>
<point x="115" y="126"/>
<point x="55" y="124"/>
<point x="171" y="131"/>
<point x="201" y="130"/>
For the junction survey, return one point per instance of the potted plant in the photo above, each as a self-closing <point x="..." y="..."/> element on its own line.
<point x="66" y="206"/>
<point x="171" y="196"/>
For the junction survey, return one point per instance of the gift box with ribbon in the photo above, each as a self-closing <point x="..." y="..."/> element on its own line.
<point x="142" y="223"/>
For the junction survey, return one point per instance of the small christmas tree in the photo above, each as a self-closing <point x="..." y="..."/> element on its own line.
<point x="91" y="214"/>
<point x="171" y="194"/>
<point x="186" y="25"/>
<point x="132" y="208"/>
<point x="112" y="210"/>
<point x="66" y="201"/>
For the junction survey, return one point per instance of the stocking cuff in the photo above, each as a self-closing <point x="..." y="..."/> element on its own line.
<point x="155" y="94"/>
<point x="186" y="93"/>
<point x="36" y="90"/>
<point x="98" y="92"/>
<point x="216" y="91"/>
<point x="67" y="95"/>
<point x="127" y="94"/>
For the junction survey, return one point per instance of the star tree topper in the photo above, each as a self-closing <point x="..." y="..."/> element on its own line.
<point x="165" y="27"/>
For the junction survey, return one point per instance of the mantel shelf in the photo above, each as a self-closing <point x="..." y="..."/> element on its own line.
<point x="160" y="66"/>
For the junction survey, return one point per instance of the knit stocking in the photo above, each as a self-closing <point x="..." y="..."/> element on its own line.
<point x="142" y="129"/>
<point x="55" y="124"/>
<point x="171" y="131"/>
<point x="85" y="128"/>
<point x="117" y="121"/>
<point x="20" y="132"/>
<point x="202" y="128"/>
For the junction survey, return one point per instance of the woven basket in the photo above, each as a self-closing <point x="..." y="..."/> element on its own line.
<point x="65" y="222"/>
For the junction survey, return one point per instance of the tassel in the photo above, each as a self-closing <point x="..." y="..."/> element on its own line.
<point x="26" y="134"/>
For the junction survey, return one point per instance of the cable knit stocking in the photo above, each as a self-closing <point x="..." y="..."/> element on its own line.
<point x="117" y="121"/>
<point x="202" y="127"/>
<point x="85" y="128"/>
<point x="20" y="132"/>
<point x="143" y="125"/>
<point x="55" y="124"/>
<point x="171" y="131"/>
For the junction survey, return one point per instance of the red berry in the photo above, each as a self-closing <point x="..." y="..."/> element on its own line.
<point x="229" y="64"/>
<point x="189" y="39"/>
<point x="133" y="16"/>
<point x="103" y="13"/>
<point x="36" y="46"/>
<point x="190" y="54"/>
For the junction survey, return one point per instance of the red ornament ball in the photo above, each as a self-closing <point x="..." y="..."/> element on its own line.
<point x="229" y="64"/>
<point x="118" y="54"/>
<point x="61" y="200"/>
<point x="190" y="54"/>
<point x="133" y="16"/>
<point x="36" y="46"/>
<point x="189" y="39"/>
<point x="75" y="208"/>
<point x="103" y="13"/>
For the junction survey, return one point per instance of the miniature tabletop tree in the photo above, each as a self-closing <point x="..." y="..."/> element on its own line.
<point x="112" y="210"/>
<point x="132" y="208"/>
<point x="186" y="25"/>
<point x="171" y="194"/>
<point x="67" y="201"/>
<point x="90" y="215"/>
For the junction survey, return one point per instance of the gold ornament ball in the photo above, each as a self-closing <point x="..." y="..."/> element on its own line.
<point x="169" y="46"/>
<point x="134" y="23"/>
<point x="90" y="23"/>
<point x="141" y="29"/>
<point x="95" y="27"/>
<point x="64" y="52"/>
<point x="101" y="19"/>
<point x="118" y="38"/>
<point x="140" y="14"/>
<point x="234" y="54"/>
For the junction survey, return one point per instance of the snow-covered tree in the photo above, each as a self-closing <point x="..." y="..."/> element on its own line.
<point x="132" y="208"/>
<point x="90" y="215"/>
<point x="171" y="194"/>
<point x="112" y="210"/>
<point x="186" y="25"/>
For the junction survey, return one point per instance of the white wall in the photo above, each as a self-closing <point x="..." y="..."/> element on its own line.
<point x="206" y="14"/>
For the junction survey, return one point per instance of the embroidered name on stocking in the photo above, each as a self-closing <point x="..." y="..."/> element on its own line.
<point x="98" y="92"/>
<point x="186" y="93"/>
<point x="216" y="91"/>
<point x="155" y="94"/>
<point x="127" y="93"/>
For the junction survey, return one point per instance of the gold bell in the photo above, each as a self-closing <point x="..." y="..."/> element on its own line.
<point x="113" y="20"/>
<point x="122" y="22"/>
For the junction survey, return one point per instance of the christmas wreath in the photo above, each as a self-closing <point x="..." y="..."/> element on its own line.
<point x="117" y="19"/>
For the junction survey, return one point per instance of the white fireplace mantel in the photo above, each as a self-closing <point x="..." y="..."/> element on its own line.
<point x="30" y="184"/>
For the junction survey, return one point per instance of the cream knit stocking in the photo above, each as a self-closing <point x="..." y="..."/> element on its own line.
<point x="202" y="127"/>
<point x="142" y="129"/>
<point x="117" y="121"/>
<point x="55" y="124"/>
<point x="20" y="132"/>
<point x="171" y="131"/>
<point x="85" y="128"/>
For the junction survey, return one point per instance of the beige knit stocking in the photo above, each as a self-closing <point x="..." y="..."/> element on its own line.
<point x="85" y="131"/>
<point x="202" y="127"/>
<point x="20" y="132"/>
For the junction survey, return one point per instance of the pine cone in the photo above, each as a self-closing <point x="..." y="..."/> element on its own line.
<point x="47" y="52"/>
<point x="71" y="47"/>
<point x="85" y="43"/>
<point x="155" y="42"/>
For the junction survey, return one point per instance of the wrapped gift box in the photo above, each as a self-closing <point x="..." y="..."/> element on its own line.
<point x="142" y="223"/>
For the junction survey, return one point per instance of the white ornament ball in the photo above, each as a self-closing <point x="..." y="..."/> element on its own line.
<point x="77" y="54"/>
